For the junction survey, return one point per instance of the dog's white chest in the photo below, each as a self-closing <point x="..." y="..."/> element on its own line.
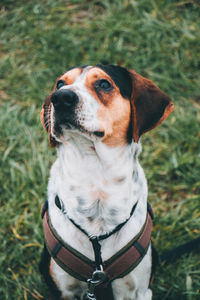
<point x="97" y="199"/>
<point x="97" y="195"/>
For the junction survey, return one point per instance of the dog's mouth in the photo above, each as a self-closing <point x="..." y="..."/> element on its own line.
<point x="99" y="133"/>
<point x="62" y="123"/>
<point x="84" y="131"/>
<point x="58" y="130"/>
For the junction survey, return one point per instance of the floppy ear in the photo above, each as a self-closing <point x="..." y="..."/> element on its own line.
<point x="45" y="120"/>
<point x="150" y="106"/>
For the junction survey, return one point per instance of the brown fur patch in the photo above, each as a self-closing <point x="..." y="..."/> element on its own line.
<point x="129" y="284"/>
<point x="115" y="120"/>
<point x="100" y="194"/>
<point x="119" y="179"/>
<point x="51" y="272"/>
<point x="150" y="105"/>
<point x="42" y="118"/>
<point x="97" y="74"/>
<point x="114" y="113"/>
<point x="70" y="76"/>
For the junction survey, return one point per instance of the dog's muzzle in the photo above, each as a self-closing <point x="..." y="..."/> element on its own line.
<point x="65" y="103"/>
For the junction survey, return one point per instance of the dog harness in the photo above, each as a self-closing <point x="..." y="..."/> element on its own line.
<point x="98" y="274"/>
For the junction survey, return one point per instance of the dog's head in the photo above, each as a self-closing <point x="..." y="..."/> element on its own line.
<point x="104" y="102"/>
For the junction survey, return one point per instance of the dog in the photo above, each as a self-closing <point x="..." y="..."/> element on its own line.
<point x="95" y="117"/>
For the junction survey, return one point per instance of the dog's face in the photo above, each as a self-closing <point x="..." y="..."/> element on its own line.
<point x="104" y="102"/>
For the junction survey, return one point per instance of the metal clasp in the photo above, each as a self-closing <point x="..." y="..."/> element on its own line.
<point x="98" y="277"/>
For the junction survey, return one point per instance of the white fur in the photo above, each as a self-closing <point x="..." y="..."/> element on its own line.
<point x="98" y="186"/>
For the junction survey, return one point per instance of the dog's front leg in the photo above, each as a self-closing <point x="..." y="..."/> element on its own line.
<point x="126" y="292"/>
<point x="69" y="287"/>
<point x="145" y="296"/>
<point x="135" y="285"/>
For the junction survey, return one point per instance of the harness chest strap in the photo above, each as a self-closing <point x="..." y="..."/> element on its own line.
<point x="82" y="268"/>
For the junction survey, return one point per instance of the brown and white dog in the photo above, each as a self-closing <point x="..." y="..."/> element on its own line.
<point x="95" y="117"/>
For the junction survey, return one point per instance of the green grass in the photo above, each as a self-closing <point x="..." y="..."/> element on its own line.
<point x="160" y="40"/>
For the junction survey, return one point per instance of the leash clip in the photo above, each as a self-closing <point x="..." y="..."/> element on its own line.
<point x="98" y="277"/>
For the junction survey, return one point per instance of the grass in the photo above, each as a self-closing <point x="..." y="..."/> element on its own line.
<point x="38" y="41"/>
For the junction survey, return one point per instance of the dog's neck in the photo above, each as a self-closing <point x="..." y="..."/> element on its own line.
<point x="97" y="184"/>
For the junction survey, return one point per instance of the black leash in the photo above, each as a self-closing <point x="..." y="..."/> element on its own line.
<point x="169" y="255"/>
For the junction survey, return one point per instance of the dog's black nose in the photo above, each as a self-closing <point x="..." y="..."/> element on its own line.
<point x="64" y="98"/>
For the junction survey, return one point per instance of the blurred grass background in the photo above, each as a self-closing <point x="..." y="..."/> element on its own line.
<point x="39" y="40"/>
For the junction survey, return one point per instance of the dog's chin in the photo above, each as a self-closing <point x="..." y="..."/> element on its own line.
<point x="62" y="133"/>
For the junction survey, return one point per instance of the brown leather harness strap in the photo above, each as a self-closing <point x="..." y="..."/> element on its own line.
<point x="78" y="265"/>
<point x="125" y="262"/>
<point x="82" y="268"/>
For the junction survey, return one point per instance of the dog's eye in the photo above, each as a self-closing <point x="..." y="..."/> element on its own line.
<point x="60" y="83"/>
<point x="104" y="85"/>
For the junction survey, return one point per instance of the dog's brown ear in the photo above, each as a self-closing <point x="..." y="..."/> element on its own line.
<point x="150" y="106"/>
<point x="45" y="120"/>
